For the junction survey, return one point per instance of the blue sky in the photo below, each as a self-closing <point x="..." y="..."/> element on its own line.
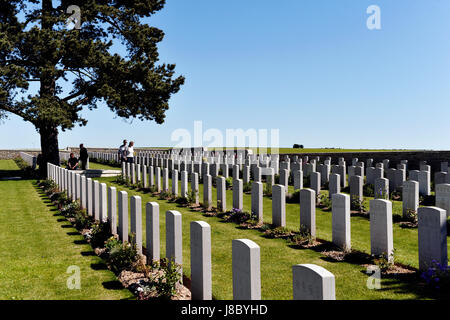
<point x="311" y="69"/>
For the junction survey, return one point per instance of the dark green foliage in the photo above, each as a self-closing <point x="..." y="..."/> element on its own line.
<point x="368" y="190"/>
<point x="293" y="197"/>
<point x="82" y="220"/>
<point x="229" y="182"/>
<point x="247" y="187"/>
<point x="411" y="216"/>
<point x="99" y="234"/>
<point x="325" y="201"/>
<point x="71" y="209"/>
<point x="60" y="198"/>
<point x="122" y="255"/>
<point x="166" y="283"/>
<point x="237" y="216"/>
<point x="357" y="204"/>
<point x="78" y="68"/>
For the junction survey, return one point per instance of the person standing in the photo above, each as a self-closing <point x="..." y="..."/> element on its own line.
<point x="83" y="157"/>
<point x="122" y="152"/>
<point x="130" y="152"/>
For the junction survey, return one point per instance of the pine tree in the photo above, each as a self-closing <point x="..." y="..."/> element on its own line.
<point x="38" y="45"/>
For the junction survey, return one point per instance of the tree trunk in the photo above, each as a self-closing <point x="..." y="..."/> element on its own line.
<point x="49" y="148"/>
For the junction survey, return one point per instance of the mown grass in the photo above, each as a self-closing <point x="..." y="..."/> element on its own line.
<point x="277" y="256"/>
<point x="37" y="245"/>
<point x="98" y="166"/>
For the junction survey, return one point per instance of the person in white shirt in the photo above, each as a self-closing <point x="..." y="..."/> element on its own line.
<point x="122" y="153"/>
<point x="130" y="152"/>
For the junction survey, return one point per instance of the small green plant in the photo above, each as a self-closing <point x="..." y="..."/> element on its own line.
<point x="384" y="261"/>
<point x="82" y="220"/>
<point x="247" y="187"/>
<point x="303" y="237"/>
<point x="164" y="195"/>
<point x="268" y="190"/>
<point x="99" y="234"/>
<point x="122" y="255"/>
<point x="182" y="201"/>
<point x="279" y="232"/>
<point x="238" y="216"/>
<point x="368" y="190"/>
<point x="411" y="216"/>
<point x="48" y="186"/>
<point x="357" y="204"/>
<point x="192" y="197"/>
<point x="229" y="182"/>
<point x="71" y="209"/>
<point x="166" y="283"/>
<point x="293" y="197"/>
<point x="60" y="198"/>
<point x="325" y="201"/>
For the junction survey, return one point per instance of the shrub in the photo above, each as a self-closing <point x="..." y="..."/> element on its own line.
<point x="48" y="185"/>
<point x="279" y="232"/>
<point x="357" y="204"/>
<point x="166" y="284"/>
<point x="100" y="234"/>
<point x="122" y="255"/>
<point x="60" y="198"/>
<point x="411" y="216"/>
<point x="384" y="262"/>
<point x="182" y="201"/>
<point x="303" y="237"/>
<point x="192" y="197"/>
<point x="276" y="179"/>
<point x="229" y="182"/>
<point x="247" y="187"/>
<point x="71" y="209"/>
<point x="238" y="216"/>
<point x="82" y="220"/>
<point x="325" y="201"/>
<point x="368" y="190"/>
<point x="164" y="195"/>
<point x="306" y="182"/>
<point x="293" y="197"/>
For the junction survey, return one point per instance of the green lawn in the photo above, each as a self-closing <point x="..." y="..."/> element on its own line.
<point x="277" y="257"/>
<point x="98" y="166"/>
<point x="37" y="246"/>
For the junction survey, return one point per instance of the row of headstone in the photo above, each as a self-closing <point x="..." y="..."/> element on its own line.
<point x="310" y="282"/>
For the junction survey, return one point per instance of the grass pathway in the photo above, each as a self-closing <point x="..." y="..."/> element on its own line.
<point x="37" y="246"/>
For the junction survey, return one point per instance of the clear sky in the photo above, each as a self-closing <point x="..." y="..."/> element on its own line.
<point x="310" y="68"/>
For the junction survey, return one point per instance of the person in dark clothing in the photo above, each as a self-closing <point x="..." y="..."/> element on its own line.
<point x="83" y="156"/>
<point x="72" y="163"/>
